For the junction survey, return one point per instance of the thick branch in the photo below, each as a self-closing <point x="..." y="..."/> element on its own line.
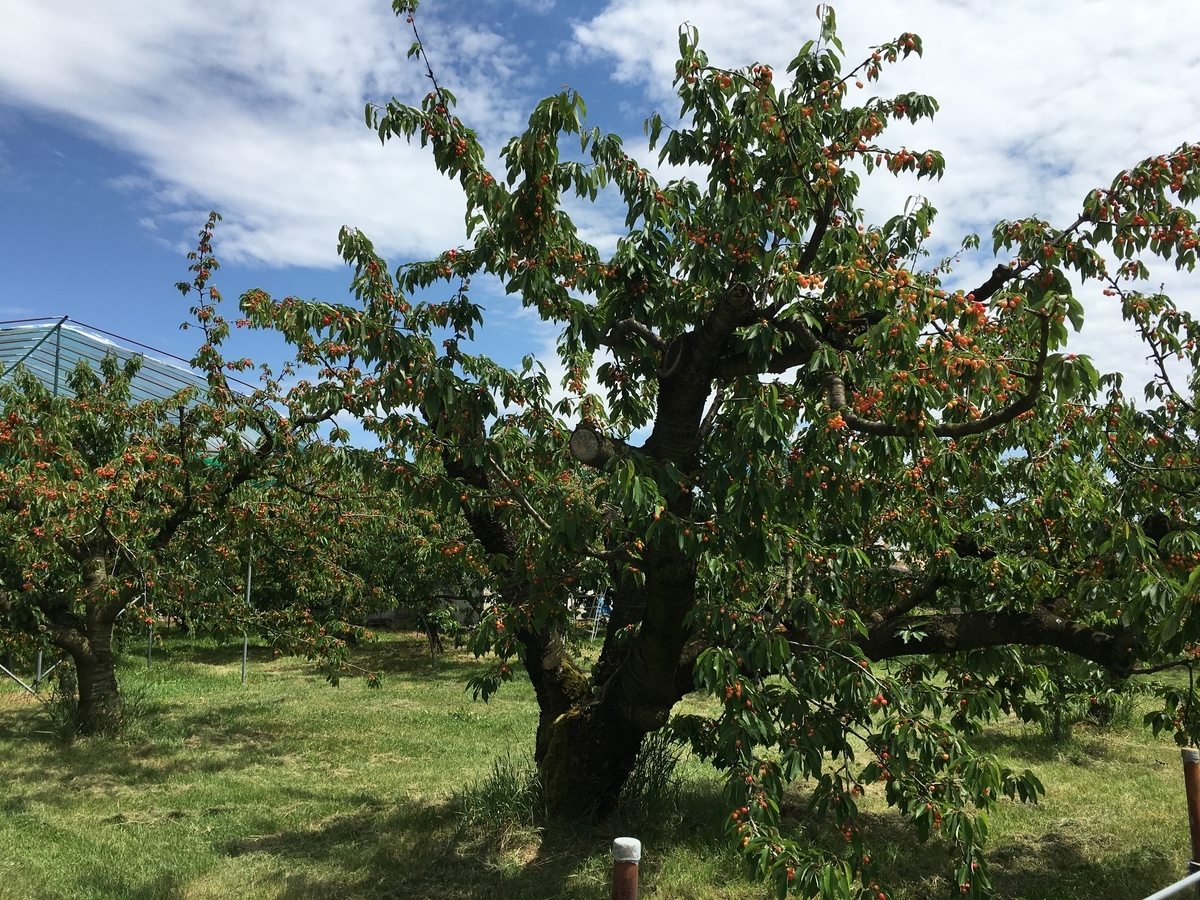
<point x="956" y="633"/>
<point x="732" y="310"/>
<point x="594" y="449"/>
<point x="814" y="242"/>
<point x="1001" y="275"/>
<point x="916" y="597"/>
<point x="627" y="327"/>
<point x="742" y="363"/>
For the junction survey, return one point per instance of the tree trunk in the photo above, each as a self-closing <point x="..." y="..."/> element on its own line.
<point x="90" y="646"/>
<point x="89" y="642"/>
<point x="590" y="730"/>
<point x="588" y="755"/>
<point x="100" y="709"/>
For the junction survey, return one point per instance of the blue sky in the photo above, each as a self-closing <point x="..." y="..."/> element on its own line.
<point x="122" y="124"/>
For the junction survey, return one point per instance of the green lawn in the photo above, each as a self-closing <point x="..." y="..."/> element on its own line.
<point x="289" y="788"/>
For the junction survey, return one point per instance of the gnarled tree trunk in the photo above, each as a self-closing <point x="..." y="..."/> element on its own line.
<point x="591" y="729"/>
<point x="592" y="748"/>
<point x="89" y="642"/>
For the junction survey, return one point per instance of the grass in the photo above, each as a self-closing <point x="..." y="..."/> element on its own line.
<point x="287" y="788"/>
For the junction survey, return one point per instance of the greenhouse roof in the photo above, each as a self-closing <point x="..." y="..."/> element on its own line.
<point x="51" y="348"/>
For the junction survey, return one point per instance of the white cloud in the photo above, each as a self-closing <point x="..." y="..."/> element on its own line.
<point x="257" y="109"/>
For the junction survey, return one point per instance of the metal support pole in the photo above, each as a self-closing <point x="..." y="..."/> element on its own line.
<point x="1191" y="785"/>
<point x="245" y="637"/>
<point x="149" y="645"/>
<point x="57" y="352"/>
<point x="627" y="853"/>
<point x="37" y="681"/>
<point x="1176" y="888"/>
<point x="18" y="680"/>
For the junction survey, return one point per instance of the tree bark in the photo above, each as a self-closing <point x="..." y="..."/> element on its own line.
<point x="89" y="642"/>
<point x="590" y="751"/>
<point x="590" y="732"/>
<point x="100" y="708"/>
<point x="959" y="632"/>
<point x="90" y="646"/>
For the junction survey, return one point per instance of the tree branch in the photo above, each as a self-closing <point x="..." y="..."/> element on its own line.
<point x="730" y="311"/>
<point x="743" y="364"/>
<point x="822" y="225"/>
<point x="837" y="400"/>
<point x="957" y="633"/>
<point x="1001" y="275"/>
<point x="594" y="449"/>
<point x="912" y="600"/>
<point x="520" y="495"/>
<point x="616" y="553"/>
<point x="627" y="327"/>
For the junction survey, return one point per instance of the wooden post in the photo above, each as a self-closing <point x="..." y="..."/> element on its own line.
<point x="627" y="853"/>
<point x="1191" y="784"/>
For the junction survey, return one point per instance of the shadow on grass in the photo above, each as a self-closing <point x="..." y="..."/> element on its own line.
<point x="207" y="654"/>
<point x="1061" y="863"/>
<point x="411" y="658"/>
<point x="426" y="850"/>
<point x="165" y="741"/>
<point x="395" y="654"/>
<point x="1071" y="860"/>
<point x="1084" y="745"/>
<point x="416" y="850"/>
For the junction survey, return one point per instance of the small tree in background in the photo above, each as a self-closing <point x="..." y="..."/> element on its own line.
<point x="107" y="504"/>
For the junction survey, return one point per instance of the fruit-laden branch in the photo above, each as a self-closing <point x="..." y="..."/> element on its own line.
<point x="917" y="596"/>
<point x="1001" y="275"/>
<point x="540" y="520"/>
<point x="245" y="471"/>
<point x="836" y="389"/>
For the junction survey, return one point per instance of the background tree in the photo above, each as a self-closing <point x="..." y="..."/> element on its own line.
<point x="426" y="566"/>
<point x="107" y="504"/>
<point x="810" y="453"/>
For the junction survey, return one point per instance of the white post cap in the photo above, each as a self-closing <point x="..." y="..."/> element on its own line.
<point x="627" y="850"/>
